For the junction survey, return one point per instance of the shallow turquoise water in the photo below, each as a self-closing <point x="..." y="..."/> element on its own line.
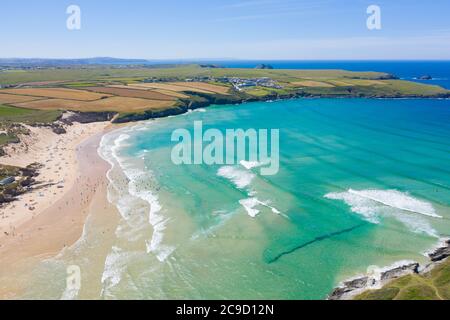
<point x="361" y="182"/>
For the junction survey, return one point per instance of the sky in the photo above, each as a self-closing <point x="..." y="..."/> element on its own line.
<point x="227" y="29"/>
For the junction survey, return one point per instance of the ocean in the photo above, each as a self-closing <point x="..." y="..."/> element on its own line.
<point x="363" y="183"/>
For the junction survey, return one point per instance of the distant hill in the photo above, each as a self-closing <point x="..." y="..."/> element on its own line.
<point x="73" y="62"/>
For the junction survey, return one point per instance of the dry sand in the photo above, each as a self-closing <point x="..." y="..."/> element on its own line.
<point x="71" y="174"/>
<point x="59" y="217"/>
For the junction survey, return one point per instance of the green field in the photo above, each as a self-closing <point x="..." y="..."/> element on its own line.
<point x="434" y="285"/>
<point x="176" y="72"/>
<point x="10" y="114"/>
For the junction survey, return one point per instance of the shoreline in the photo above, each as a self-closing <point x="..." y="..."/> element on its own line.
<point x="96" y="180"/>
<point x="377" y="279"/>
<point x="189" y="105"/>
<point x="59" y="222"/>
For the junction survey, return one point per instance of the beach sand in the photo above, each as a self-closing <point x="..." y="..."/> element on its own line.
<point x="59" y="213"/>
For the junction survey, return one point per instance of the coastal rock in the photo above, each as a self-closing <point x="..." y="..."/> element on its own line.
<point x="350" y="286"/>
<point x="440" y="253"/>
<point x="87" y="117"/>
<point x="426" y="77"/>
<point x="399" y="271"/>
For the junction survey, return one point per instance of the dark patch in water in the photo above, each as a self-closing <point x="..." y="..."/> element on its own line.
<point x="317" y="239"/>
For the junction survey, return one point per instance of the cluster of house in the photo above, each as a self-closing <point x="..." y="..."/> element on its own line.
<point x="238" y="83"/>
<point x="266" y="82"/>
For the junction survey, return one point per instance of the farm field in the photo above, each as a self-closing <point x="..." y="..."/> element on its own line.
<point x="205" y="86"/>
<point x="311" y="83"/>
<point x="57" y="93"/>
<point x="174" y="94"/>
<point x="132" y="93"/>
<point x="171" y="86"/>
<point x="11" y="98"/>
<point x="115" y="104"/>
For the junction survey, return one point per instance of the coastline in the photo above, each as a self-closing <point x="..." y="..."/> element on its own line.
<point x="379" y="278"/>
<point x="58" y="222"/>
<point x="90" y="165"/>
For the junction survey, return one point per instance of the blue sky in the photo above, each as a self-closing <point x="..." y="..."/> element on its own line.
<point x="246" y="29"/>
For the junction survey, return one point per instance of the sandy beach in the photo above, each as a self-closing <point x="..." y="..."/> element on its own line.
<point x="75" y="180"/>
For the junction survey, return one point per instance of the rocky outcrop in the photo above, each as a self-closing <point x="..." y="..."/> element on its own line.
<point x="87" y="117"/>
<point x="426" y="77"/>
<point x="149" y="114"/>
<point x="24" y="179"/>
<point x="441" y="252"/>
<point x="400" y="271"/>
<point x="350" y="288"/>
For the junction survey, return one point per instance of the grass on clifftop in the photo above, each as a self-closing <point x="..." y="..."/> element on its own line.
<point x="434" y="285"/>
<point x="10" y="114"/>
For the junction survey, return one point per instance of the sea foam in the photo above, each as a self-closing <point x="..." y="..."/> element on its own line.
<point x="136" y="186"/>
<point x="241" y="178"/>
<point x="374" y="204"/>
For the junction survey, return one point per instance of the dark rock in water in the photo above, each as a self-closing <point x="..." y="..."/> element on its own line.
<point x="440" y="253"/>
<point x="426" y="77"/>
<point x="400" y="271"/>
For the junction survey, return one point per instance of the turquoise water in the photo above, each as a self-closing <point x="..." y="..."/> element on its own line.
<point x="361" y="182"/>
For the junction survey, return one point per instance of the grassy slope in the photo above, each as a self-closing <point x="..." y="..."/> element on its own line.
<point x="10" y="114"/>
<point x="8" y="171"/>
<point x="434" y="285"/>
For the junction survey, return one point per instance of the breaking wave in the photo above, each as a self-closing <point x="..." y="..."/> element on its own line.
<point x="374" y="204"/>
<point x="132" y="195"/>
